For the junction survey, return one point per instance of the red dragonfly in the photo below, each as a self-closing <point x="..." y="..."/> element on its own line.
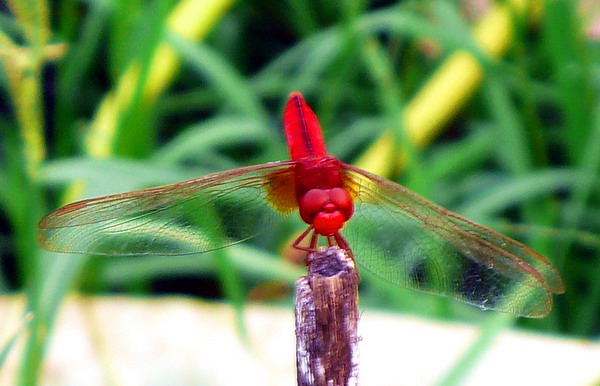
<point x="393" y="232"/>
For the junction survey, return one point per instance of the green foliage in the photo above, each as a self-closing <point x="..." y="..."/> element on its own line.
<point x="523" y="153"/>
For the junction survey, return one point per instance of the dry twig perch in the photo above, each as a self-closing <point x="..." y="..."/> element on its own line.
<point x="326" y="320"/>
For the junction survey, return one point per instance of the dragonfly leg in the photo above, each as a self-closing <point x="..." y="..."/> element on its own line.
<point x="341" y="242"/>
<point x="331" y="241"/>
<point x="313" y="240"/>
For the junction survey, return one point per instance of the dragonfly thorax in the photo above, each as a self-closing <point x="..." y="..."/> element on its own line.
<point x="326" y="209"/>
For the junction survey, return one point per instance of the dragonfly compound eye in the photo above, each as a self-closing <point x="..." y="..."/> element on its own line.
<point x="342" y="201"/>
<point x="312" y="203"/>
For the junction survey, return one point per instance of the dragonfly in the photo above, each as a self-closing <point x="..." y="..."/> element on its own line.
<point x="389" y="230"/>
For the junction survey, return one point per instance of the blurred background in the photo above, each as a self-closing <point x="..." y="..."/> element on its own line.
<point x="490" y="109"/>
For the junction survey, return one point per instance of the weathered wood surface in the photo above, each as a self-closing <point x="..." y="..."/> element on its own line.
<point x="326" y="320"/>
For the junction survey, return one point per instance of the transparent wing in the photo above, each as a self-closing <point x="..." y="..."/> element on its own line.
<point x="415" y="243"/>
<point x="192" y="216"/>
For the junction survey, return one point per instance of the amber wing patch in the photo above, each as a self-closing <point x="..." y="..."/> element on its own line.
<point x="281" y="192"/>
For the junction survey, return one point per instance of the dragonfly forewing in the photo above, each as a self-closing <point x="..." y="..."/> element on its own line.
<point x="415" y="243"/>
<point x="193" y="216"/>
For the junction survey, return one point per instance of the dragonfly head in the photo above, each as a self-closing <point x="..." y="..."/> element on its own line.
<point x="326" y="209"/>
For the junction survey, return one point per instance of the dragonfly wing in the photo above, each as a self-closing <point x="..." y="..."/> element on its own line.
<point x="188" y="217"/>
<point x="413" y="242"/>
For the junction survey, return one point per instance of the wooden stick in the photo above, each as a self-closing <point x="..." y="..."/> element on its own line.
<point x="326" y="320"/>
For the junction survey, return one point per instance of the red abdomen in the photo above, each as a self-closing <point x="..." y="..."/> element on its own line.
<point x="302" y="129"/>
